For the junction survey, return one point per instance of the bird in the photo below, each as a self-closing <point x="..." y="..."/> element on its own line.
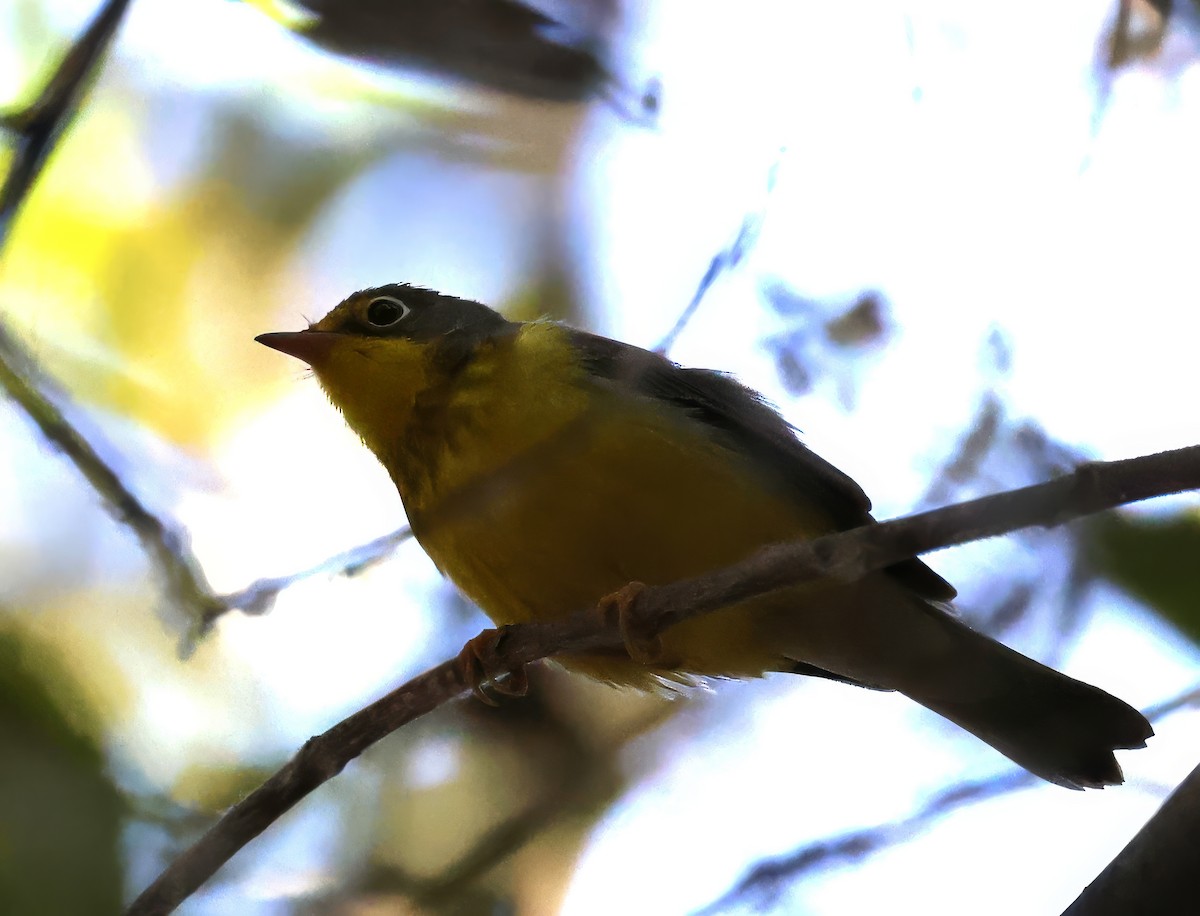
<point x="545" y="469"/>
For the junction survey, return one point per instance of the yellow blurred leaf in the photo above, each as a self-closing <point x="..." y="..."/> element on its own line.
<point x="211" y="788"/>
<point x="288" y="15"/>
<point x="145" y="299"/>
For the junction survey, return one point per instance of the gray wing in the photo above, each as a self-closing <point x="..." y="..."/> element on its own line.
<point x="749" y="426"/>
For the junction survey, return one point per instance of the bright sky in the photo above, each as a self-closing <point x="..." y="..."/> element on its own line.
<point x="950" y="155"/>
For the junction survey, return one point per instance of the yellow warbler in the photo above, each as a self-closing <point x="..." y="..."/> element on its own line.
<point x="544" y="468"/>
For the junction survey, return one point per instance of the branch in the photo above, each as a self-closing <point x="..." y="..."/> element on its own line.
<point x="183" y="579"/>
<point x="849" y="555"/>
<point x="37" y="129"/>
<point x="259" y="596"/>
<point x="36" y="395"/>
<point x="766" y="880"/>
<point x="1156" y="872"/>
<point x="723" y="261"/>
<point x="39" y="126"/>
<point x="844" y="556"/>
<point x="167" y="546"/>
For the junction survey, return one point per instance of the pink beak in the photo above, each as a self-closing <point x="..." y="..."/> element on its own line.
<point x="313" y="347"/>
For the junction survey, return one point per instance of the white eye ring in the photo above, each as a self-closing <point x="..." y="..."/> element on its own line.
<point x="386" y="311"/>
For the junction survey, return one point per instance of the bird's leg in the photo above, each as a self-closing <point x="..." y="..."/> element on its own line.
<point x="484" y="670"/>
<point x="617" y="610"/>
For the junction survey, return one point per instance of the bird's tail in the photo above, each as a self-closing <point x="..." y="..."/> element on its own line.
<point x="1055" y="726"/>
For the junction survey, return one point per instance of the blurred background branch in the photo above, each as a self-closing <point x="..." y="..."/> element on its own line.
<point x="37" y="128"/>
<point x="724" y="261"/>
<point x="767" y="882"/>
<point x="35" y="394"/>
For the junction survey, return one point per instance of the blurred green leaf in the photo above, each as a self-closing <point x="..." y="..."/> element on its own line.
<point x="1156" y="561"/>
<point x="60" y="815"/>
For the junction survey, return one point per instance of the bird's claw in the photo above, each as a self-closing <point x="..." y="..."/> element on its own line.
<point x="617" y="610"/>
<point x="488" y="676"/>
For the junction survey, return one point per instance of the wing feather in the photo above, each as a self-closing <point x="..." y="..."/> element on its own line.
<point x="746" y="424"/>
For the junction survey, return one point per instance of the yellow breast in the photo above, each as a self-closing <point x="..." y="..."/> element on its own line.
<point x="554" y="490"/>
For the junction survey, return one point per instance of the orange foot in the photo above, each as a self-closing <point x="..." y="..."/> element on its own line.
<point x="642" y="645"/>
<point x="486" y="673"/>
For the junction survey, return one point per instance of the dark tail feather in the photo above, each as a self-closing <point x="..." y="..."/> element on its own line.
<point x="1058" y="728"/>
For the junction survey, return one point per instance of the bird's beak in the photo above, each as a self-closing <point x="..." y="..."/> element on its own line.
<point x="311" y="346"/>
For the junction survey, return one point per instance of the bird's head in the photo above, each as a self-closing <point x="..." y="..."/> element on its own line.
<point x="380" y="349"/>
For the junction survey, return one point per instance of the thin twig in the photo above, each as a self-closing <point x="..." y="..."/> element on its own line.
<point x="843" y="557"/>
<point x="38" y="127"/>
<point x="723" y="261"/>
<point x="183" y="578"/>
<point x="36" y="395"/>
<point x="37" y="130"/>
<point x="256" y="597"/>
<point x="259" y="596"/>
<point x="763" y="884"/>
<point x="767" y="880"/>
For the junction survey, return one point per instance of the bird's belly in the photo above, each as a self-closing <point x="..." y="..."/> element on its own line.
<point x="613" y="505"/>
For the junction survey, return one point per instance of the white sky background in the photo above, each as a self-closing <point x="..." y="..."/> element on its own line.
<point x="947" y="154"/>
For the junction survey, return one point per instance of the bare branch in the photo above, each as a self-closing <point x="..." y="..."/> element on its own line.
<point x="1156" y="872"/>
<point x="847" y="556"/>
<point x="259" y="596"/>
<point x="37" y="130"/>
<point x="38" y="127"/>
<point x="768" y="879"/>
<point x="36" y="395"/>
<point x="843" y="556"/>
<point x="723" y="261"/>
<point x="763" y="884"/>
<point x="184" y="580"/>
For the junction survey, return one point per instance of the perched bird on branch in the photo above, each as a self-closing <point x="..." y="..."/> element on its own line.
<point x="545" y="470"/>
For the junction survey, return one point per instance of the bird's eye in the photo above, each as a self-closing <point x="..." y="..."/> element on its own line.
<point x="385" y="311"/>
